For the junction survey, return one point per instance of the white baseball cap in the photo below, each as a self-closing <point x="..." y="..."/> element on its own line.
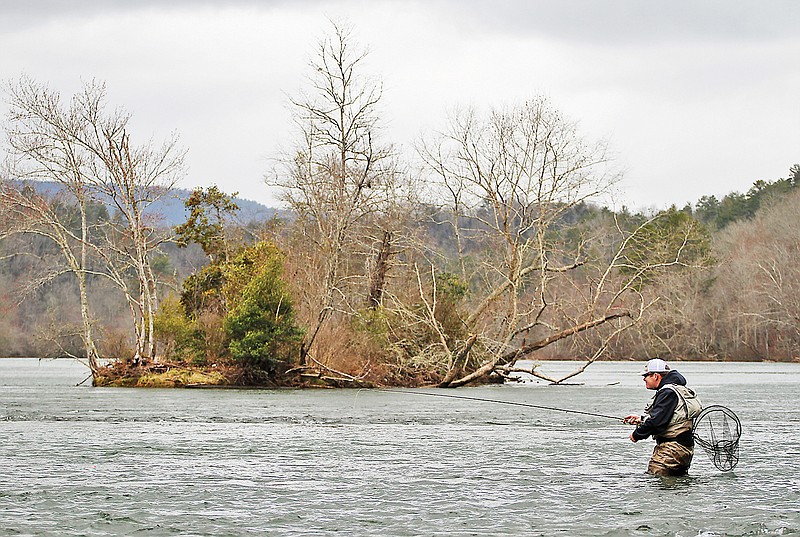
<point x="656" y="365"/>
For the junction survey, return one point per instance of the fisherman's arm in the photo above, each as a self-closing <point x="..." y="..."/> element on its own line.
<point x="659" y="416"/>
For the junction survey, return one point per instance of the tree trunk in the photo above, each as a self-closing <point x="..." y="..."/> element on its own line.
<point x="378" y="277"/>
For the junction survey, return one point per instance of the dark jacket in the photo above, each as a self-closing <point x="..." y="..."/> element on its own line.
<point x="661" y="412"/>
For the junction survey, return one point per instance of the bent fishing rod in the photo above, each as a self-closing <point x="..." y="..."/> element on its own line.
<point x="501" y="402"/>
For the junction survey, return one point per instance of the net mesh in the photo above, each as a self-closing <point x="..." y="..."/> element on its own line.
<point x="717" y="430"/>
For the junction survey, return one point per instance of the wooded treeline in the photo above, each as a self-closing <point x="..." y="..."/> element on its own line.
<point x="490" y="250"/>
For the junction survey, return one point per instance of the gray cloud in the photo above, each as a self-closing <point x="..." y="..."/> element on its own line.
<point x="607" y="21"/>
<point x="631" y="21"/>
<point x="36" y="12"/>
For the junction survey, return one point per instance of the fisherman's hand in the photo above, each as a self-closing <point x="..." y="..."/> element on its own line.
<point x="633" y="439"/>
<point x="633" y="419"/>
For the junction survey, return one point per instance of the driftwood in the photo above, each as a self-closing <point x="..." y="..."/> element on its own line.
<point x="321" y="372"/>
<point x="525" y="350"/>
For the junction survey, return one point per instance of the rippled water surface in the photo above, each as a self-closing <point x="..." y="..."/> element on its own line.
<point x="109" y="461"/>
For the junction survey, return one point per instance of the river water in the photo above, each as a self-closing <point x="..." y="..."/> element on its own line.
<point x="111" y="461"/>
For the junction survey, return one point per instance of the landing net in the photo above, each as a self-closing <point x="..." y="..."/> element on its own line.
<point x="717" y="430"/>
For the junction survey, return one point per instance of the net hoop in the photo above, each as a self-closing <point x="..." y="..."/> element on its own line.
<point x="717" y="429"/>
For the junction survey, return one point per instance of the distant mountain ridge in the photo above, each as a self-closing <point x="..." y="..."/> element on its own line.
<point x="170" y="209"/>
<point x="173" y="211"/>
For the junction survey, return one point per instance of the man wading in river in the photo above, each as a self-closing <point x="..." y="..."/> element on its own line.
<point x="668" y="418"/>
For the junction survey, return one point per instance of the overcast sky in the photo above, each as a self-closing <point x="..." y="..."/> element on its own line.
<point x="696" y="97"/>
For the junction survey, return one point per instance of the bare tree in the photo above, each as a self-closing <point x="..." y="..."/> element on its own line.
<point x="41" y="137"/>
<point x="87" y="151"/>
<point x="131" y="178"/>
<point x="513" y="179"/>
<point x="338" y="179"/>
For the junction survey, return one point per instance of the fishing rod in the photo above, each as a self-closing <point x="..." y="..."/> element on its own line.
<point x="716" y="429"/>
<point x="498" y="401"/>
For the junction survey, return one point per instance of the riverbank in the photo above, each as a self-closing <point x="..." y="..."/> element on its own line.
<point x="161" y="375"/>
<point x="124" y="374"/>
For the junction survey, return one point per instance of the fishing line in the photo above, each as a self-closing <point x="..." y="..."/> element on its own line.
<point x="500" y="402"/>
<point x="716" y="429"/>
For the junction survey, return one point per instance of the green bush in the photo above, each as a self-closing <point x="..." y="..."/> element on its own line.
<point x="176" y="334"/>
<point x="260" y="322"/>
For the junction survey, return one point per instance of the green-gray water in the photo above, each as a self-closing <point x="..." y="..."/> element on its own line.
<point x="88" y="461"/>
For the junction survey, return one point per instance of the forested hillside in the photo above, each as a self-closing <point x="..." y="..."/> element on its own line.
<point x="746" y="304"/>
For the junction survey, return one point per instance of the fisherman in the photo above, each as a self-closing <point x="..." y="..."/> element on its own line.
<point x="668" y="418"/>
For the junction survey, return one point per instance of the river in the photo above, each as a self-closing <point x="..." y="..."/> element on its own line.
<point x="77" y="460"/>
